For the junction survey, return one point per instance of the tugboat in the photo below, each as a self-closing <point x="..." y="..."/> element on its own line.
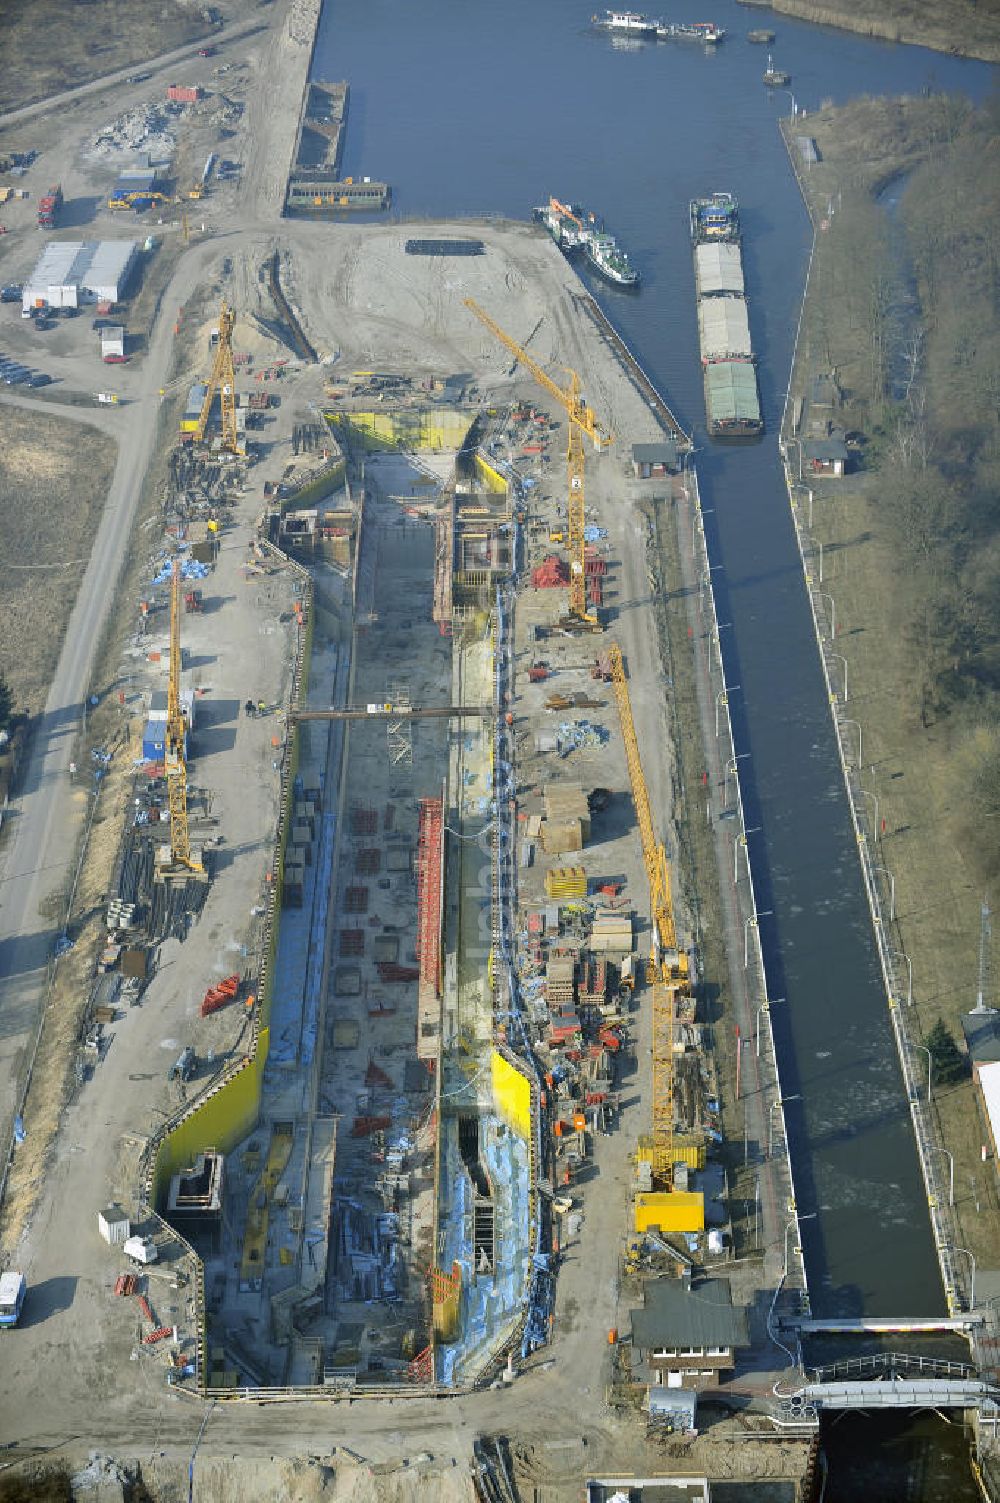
<point x="714" y="218"/>
<point x="606" y="256"/>
<point x="775" y="77"/>
<point x="628" y="22"/>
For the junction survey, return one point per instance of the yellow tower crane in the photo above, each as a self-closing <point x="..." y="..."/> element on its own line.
<point x="175" y="756"/>
<point x="669" y="966"/>
<point x="581" y="421"/>
<point x="223" y="381"/>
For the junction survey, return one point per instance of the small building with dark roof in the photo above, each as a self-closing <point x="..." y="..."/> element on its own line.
<point x="825" y="456"/>
<point x="686" y="1335"/>
<point x="652" y="460"/>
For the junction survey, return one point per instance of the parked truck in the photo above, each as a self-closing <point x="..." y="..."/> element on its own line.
<point x="48" y="207"/>
<point x="13" y="1288"/>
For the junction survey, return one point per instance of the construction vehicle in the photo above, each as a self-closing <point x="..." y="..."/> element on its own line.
<point x="581" y="421"/>
<point x="222" y="381"/>
<point x="669" y="967"/>
<point x="176" y="859"/>
<point x="48" y="207"/>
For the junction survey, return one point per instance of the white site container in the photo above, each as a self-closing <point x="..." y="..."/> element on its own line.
<point x="140" y="1250"/>
<point x="114" y="1225"/>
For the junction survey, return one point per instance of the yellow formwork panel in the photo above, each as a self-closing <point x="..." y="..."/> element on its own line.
<point x="511" y="1095"/>
<point x="687" y="1151"/>
<point x="410" y="428"/>
<point x="490" y="479"/>
<point x="670" y="1211"/>
<point x="221" y="1121"/>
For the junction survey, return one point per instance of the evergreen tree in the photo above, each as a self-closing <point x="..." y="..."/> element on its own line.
<point x="949" y="1061"/>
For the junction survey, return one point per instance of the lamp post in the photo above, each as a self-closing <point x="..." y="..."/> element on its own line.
<point x="833" y="612"/>
<point x="741" y="840"/>
<point x="867" y="793"/>
<point x="795" y="1221"/>
<point x="795" y="109"/>
<point x="721" y="699"/>
<point x="858" y="729"/>
<point x="819" y="546"/>
<point x="841" y="659"/>
<point x="892" y="889"/>
<point x="930" y="1066"/>
<point x="732" y="768"/>
<point x="901" y="955"/>
<point x="765" y="1006"/>
<point x="972" y="1285"/>
<point x="951" y="1171"/>
<point x="781" y="1101"/>
<point x="748" y="924"/>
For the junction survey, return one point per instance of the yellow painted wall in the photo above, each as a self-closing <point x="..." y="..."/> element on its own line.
<point x="511" y="1095"/>
<point x="441" y="428"/>
<point x="221" y="1121"/>
<point x="489" y="478"/>
<point x="671" y="1211"/>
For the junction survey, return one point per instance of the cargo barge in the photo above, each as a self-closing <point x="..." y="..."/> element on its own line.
<point x="732" y="397"/>
<point x="315" y="184"/>
<point x="627" y="23"/>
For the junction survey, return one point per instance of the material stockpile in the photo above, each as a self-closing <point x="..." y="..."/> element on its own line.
<point x="611" y="933"/>
<point x="566" y="882"/>
<point x="552" y="573"/>
<point x="579" y="735"/>
<point x="190" y="569"/>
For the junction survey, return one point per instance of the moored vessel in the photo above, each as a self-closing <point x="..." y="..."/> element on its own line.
<point x="775" y="77"/>
<point x="574" y="228"/>
<point x="690" y="31"/>
<point x="715" y="218"/>
<point x="732" y="397"/>
<point x="627" y="23"/>
<point x="606" y="256"/>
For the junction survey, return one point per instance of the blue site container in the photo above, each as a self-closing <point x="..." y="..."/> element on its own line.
<point x="153" y="740"/>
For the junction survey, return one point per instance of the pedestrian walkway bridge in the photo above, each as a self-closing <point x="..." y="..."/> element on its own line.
<point x="889" y="1380"/>
<point x="900" y="1325"/>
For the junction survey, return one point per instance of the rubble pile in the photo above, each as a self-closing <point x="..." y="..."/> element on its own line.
<point x="143" y="129"/>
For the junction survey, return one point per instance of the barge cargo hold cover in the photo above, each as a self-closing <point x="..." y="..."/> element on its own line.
<point x="731" y="401"/>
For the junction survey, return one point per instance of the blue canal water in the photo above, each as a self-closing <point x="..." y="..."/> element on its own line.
<point x="473" y="109"/>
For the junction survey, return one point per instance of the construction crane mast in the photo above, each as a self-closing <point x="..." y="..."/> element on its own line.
<point x="175" y="755"/>
<point x="669" y="966"/>
<point x="581" y="421"/>
<point x="223" y="381"/>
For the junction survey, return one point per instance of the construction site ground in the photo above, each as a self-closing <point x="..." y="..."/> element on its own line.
<point x="361" y="302"/>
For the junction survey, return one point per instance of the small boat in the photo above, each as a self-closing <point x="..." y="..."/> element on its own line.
<point x="775" y="77"/>
<point x="627" y="23"/>
<point x="761" y="34"/>
<point x="693" y="31"/>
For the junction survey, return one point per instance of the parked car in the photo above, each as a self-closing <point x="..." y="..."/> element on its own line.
<point x="15" y="378"/>
<point x="27" y="312"/>
<point x="138" y="77"/>
<point x="39" y="379"/>
<point x="10" y="293"/>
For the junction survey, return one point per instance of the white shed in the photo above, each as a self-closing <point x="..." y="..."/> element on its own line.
<point x="114" y="1225"/>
